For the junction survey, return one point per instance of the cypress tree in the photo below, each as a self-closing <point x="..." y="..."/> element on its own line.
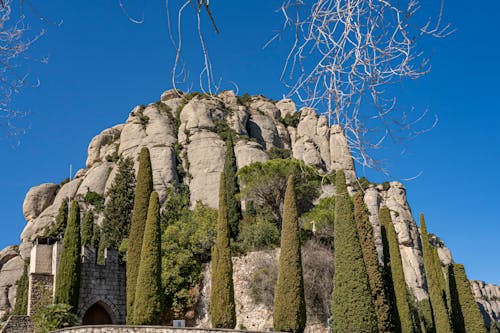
<point x="289" y="301"/>
<point x="392" y="257"/>
<point x="61" y="221"/>
<point x="435" y="282"/>
<point x="352" y="306"/>
<point x="139" y="215"/>
<point x="21" y="306"/>
<point x="88" y="228"/>
<point x="232" y="188"/>
<point x="119" y="205"/>
<point x="375" y="277"/>
<point x="465" y="312"/>
<point x="147" y="303"/>
<point x="68" y="273"/>
<point x="222" y="306"/>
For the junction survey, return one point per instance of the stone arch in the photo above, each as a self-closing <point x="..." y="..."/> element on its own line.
<point x="103" y="303"/>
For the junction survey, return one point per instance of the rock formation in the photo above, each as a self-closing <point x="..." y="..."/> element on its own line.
<point x="185" y="131"/>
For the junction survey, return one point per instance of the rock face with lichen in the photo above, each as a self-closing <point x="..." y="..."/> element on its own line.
<point x="185" y="135"/>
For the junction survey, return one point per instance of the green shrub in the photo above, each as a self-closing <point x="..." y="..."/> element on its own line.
<point x="186" y="244"/>
<point x="95" y="199"/>
<point x="143" y="191"/>
<point x="291" y="119"/>
<point x="289" y="301"/>
<point x="245" y="99"/>
<point x="68" y="272"/>
<point x="53" y="317"/>
<point x="258" y="234"/>
<point x="279" y="153"/>
<point x="222" y="306"/>
<point x="147" y="302"/>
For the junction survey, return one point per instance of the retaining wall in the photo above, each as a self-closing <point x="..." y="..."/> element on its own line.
<point x="143" y="329"/>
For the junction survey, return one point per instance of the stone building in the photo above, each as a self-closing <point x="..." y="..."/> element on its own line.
<point x="102" y="287"/>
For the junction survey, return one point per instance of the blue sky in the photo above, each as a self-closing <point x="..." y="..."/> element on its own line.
<point x="101" y="65"/>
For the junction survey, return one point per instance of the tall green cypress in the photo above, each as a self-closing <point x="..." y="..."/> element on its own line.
<point x="148" y="291"/>
<point x="119" y="205"/>
<point x="375" y="276"/>
<point x="465" y="312"/>
<point x="435" y="282"/>
<point x="289" y="301"/>
<point x="68" y="273"/>
<point x="392" y="257"/>
<point x="222" y="306"/>
<point x="232" y="188"/>
<point x="352" y="306"/>
<point x="88" y="228"/>
<point x="21" y="306"/>
<point x="139" y="215"/>
<point x="61" y="221"/>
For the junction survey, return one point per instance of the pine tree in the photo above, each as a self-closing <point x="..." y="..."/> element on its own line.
<point x="352" y="306"/>
<point x="222" y="306"/>
<point x="232" y="188"/>
<point x="465" y="312"/>
<point x="88" y="228"/>
<point x="147" y="303"/>
<point x="119" y="205"/>
<point x="61" y="221"/>
<point x="289" y="301"/>
<point x="365" y="233"/>
<point x="139" y="215"/>
<point x="21" y="306"/>
<point x="68" y="273"/>
<point x="435" y="282"/>
<point x="392" y="257"/>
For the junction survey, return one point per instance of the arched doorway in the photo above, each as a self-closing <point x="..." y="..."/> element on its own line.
<point x="97" y="315"/>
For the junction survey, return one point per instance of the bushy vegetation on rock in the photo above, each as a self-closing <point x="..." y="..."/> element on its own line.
<point x="289" y="302"/>
<point x="68" y="273"/>
<point x="148" y="298"/>
<point x="373" y="269"/>
<point x="222" y="306"/>
<point x="140" y="211"/>
<point x="392" y="260"/>
<point x="319" y="221"/>
<point x="21" y="306"/>
<point x="352" y="307"/>
<point x="186" y="245"/>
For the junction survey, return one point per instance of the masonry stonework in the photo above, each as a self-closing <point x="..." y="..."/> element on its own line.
<point x="144" y="329"/>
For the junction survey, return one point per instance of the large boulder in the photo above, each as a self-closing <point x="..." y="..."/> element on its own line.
<point x="263" y="128"/>
<point x="10" y="273"/>
<point x="37" y="199"/>
<point x="340" y="153"/>
<point x="95" y="179"/>
<point x="487" y="296"/>
<point x="248" y="152"/>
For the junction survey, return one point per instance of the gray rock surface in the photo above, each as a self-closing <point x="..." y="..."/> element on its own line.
<point x="11" y="271"/>
<point x="248" y="152"/>
<point x="37" y="199"/>
<point x="488" y="298"/>
<point x="102" y="145"/>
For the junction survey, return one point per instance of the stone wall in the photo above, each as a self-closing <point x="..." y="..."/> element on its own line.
<point x="103" y="284"/>
<point x="142" y="329"/>
<point x="18" y="324"/>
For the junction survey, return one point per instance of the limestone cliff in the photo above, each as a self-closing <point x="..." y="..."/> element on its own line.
<point x="187" y="129"/>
